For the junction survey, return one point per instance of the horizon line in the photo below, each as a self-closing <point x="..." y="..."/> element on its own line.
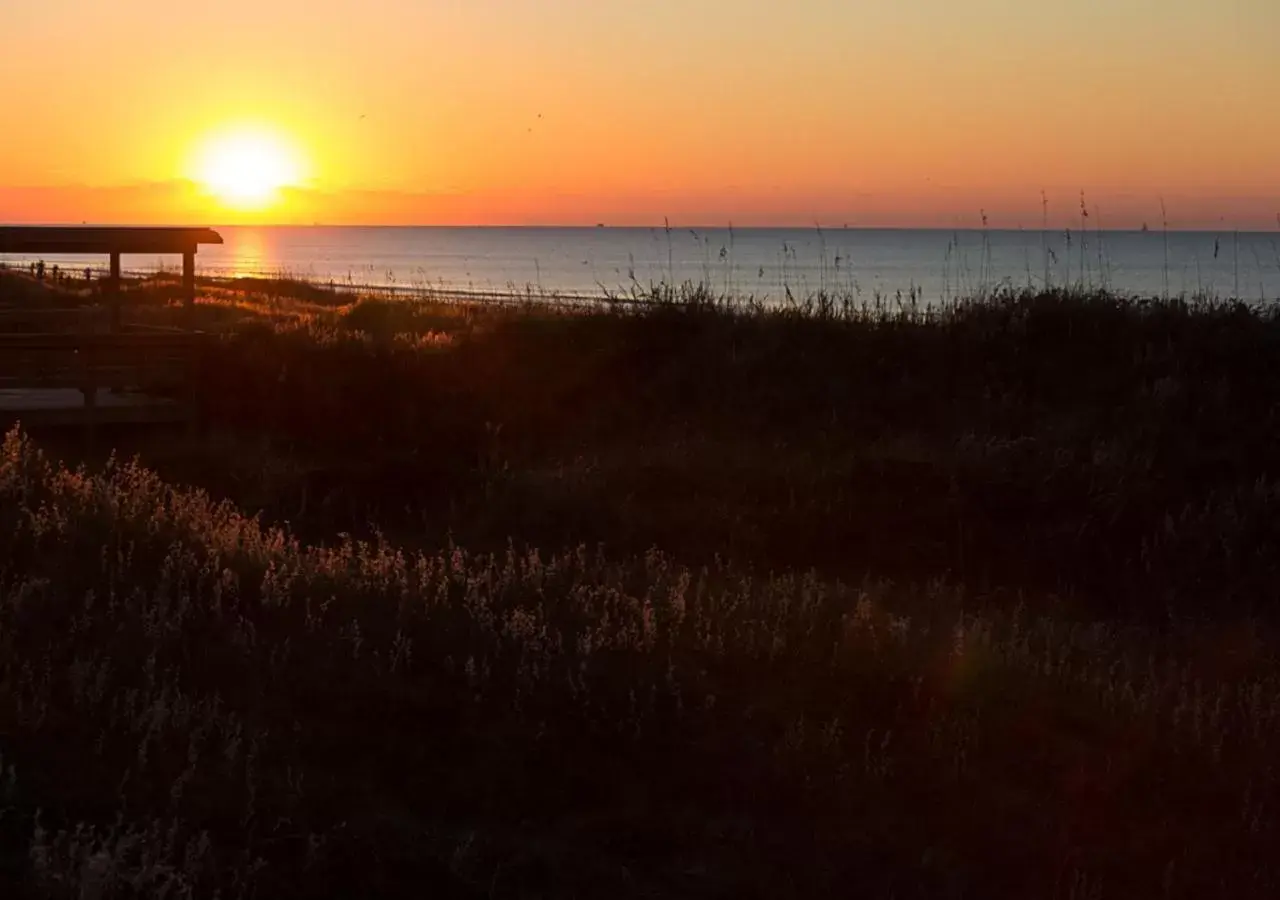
<point x="661" y="226"/>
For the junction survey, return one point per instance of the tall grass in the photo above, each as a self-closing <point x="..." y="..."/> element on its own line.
<point x="196" y="702"/>
<point x="668" y="594"/>
<point x="1059" y="431"/>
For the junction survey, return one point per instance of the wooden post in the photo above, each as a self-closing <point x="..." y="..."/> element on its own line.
<point x="113" y="291"/>
<point x="195" y="423"/>
<point x="189" y="280"/>
<point x="89" y="387"/>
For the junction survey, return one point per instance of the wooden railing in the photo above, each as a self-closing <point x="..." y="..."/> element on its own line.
<point x="48" y="320"/>
<point x="134" y="376"/>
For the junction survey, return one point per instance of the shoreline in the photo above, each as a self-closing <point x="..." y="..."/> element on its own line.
<point x="772" y="266"/>
<point x="655" y="293"/>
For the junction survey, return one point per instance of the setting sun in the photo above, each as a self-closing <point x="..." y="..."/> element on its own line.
<point x="246" y="169"/>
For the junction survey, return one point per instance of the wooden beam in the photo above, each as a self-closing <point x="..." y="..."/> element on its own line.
<point x="189" y="280"/>
<point x="113" y="291"/>
<point x="89" y="388"/>
<point x="44" y="317"/>
<point x="80" y="239"/>
<point x="143" y="341"/>
<point x="153" y="412"/>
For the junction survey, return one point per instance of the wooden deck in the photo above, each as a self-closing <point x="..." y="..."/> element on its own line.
<point x="67" y="406"/>
<point x="54" y="399"/>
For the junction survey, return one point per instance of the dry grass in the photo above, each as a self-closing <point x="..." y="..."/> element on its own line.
<point x="1116" y="449"/>
<point x="194" y="700"/>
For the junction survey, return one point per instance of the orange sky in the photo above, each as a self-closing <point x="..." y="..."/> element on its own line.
<point x="918" y="112"/>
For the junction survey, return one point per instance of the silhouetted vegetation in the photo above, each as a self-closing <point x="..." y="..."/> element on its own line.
<point x="1098" y="445"/>
<point x="664" y="597"/>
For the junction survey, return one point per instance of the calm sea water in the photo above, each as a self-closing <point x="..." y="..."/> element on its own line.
<point x="765" y="263"/>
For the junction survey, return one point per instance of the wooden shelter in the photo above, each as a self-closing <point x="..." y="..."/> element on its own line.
<point x="63" y="370"/>
<point x="112" y="242"/>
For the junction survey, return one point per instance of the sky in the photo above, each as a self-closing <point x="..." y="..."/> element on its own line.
<point x="792" y="112"/>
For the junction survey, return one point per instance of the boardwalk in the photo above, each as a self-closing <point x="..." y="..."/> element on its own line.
<point x="31" y="400"/>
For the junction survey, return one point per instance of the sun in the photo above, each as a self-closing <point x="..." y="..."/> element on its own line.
<point x="246" y="168"/>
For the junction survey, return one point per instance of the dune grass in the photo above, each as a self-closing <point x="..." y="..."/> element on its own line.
<point x="1119" y="449"/>
<point x="679" y="597"/>
<point x="196" y="701"/>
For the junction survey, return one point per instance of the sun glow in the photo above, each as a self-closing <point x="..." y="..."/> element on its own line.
<point x="246" y="169"/>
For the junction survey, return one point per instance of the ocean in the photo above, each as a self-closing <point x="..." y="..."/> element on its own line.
<point x="767" y="264"/>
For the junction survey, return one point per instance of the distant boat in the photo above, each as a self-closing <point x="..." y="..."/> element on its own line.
<point x="599" y="224"/>
<point x="1145" y="229"/>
